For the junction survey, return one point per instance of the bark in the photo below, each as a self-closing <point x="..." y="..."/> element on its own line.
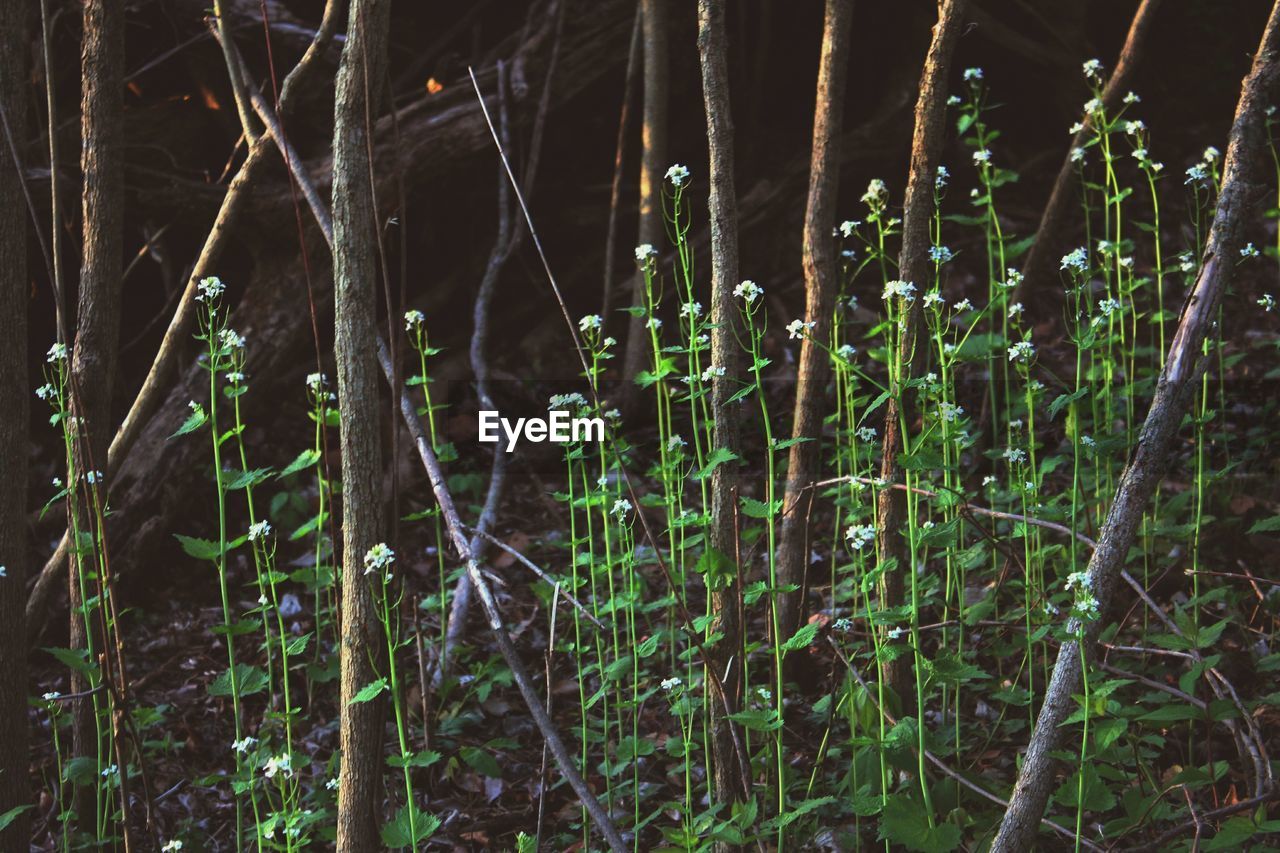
<point x="355" y="273"/>
<point x="1241" y="188"/>
<point x="653" y="14"/>
<point x="1040" y="285"/>
<point x="723" y="591"/>
<point x="821" y="278"/>
<point x="93" y="355"/>
<point x="914" y="266"/>
<point x="14" y="397"/>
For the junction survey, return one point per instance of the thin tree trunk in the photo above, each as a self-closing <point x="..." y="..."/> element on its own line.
<point x="1178" y="382"/>
<point x="1040" y="286"/>
<point x="354" y="277"/>
<point x="727" y="330"/>
<point x="14" y="397"/>
<point x="914" y="266"/>
<point x="93" y="355"/>
<point x="821" y="278"/>
<point x="619" y="158"/>
<point x="653" y="165"/>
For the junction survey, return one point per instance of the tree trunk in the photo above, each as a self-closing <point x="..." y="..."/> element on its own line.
<point x="653" y="164"/>
<point x="1178" y="383"/>
<point x="913" y="266"/>
<point x="821" y="278"/>
<point x="360" y="74"/>
<point x="14" y="397"/>
<point x="727" y="329"/>
<point x="93" y="355"/>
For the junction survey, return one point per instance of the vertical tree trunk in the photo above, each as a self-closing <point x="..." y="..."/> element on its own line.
<point x="14" y="396"/>
<point x="821" y="283"/>
<point x="97" y="337"/>
<point x="727" y="330"/>
<point x="913" y="266"/>
<point x="355" y="343"/>
<point x="1178" y="383"/>
<point x="653" y="14"/>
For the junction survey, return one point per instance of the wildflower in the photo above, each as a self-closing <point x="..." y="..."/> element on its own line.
<point x="797" y="328"/>
<point x="677" y="175"/>
<point x="953" y="100"/>
<point x="1088" y="441"/>
<point x="1267" y="302"/>
<point x="971" y="74"/>
<point x="896" y="632"/>
<point x="282" y="764"/>
<point x="669" y="684"/>
<point x="210" y="289"/>
<point x="1077" y="155"/>
<point x="1075" y="128"/>
<point x="316" y="381"/>
<point x="93" y="477"/>
<point x="1196" y="174"/>
<point x="57" y="352"/>
<point x="57" y="482"/>
<point x="940" y="182"/>
<point x="940" y="254"/>
<point x="1016" y="310"/>
<point x="331" y="785"/>
<point x="262" y="600"/>
<point x="621" y="507"/>
<point x="113" y="770"/>
<point x="1155" y="167"/>
<point x="691" y="309"/>
<point x="1140" y="154"/>
<point x="413" y="319"/>
<point x="843" y="625"/>
<point x="1132" y="98"/>
<point x="877" y="194"/>
<point x="849" y="254"/>
<point x="1211" y="154"/>
<point x="1021" y="351"/>
<point x="1086" y="607"/>
<point x="1186" y="263"/>
<point x="1093" y="69"/>
<point x="231" y="339"/>
<point x="1250" y="251"/>
<point x="866" y="433"/>
<point x="259" y="530"/>
<point x="963" y="305"/>
<point x="1079" y="580"/>
<point x="1015" y="424"/>
<point x="645" y="252"/>
<point x="1133" y="128"/>
<point x="1108" y="306"/>
<point x="988" y="480"/>
<point x="950" y="412"/>
<point x="903" y="289"/>
<point x="982" y="155"/>
<point x="847" y="352"/>
<point x="748" y="290"/>
<point x="567" y="401"/>
<point x="173" y="844"/>
<point x="378" y="558"/>
<point x="933" y="298"/>
<point x="1093" y="105"/>
<point x="675" y="443"/>
<point x="46" y="391"/>
<point x="848" y="227"/>
<point x="1012" y="278"/>
<point x="244" y="744"/>
<point x="1076" y="261"/>
<point x="654" y="323"/>
<point x="1015" y="455"/>
<point x="858" y="535"/>
<point x="712" y="372"/>
<point x="590" y="323"/>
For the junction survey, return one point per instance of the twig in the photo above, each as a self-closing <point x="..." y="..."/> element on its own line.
<point x="529" y="564"/>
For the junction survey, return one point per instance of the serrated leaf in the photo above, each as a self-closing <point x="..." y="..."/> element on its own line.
<point x="802" y="638"/>
<point x="753" y="508"/>
<point x="1094" y="796"/>
<point x="1266" y="525"/>
<point x="410" y="827"/>
<point x="905" y="822"/>
<point x="306" y="459"/>
<point x="1064" y="400"/>
<point x="248" y="681"/>
<point x="200" y="549"/>
<point x="12" y="814"/>
<point x="194" y="421"/>
<point x="715" y="458"/>
<point x="369" y="692"/>
<point x="481" y="761"/>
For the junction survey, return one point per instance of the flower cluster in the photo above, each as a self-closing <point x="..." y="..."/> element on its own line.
<point x="748" y="290"/>
<point x="379" y="559"/>
<point x="858" y="535"/>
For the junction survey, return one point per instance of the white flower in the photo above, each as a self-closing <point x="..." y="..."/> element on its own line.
<point x="858" y="535"/>
<point x="654" y="323"/>
<point x="671" y="683"/>
<point x="1088" y="441"/>
<point x="675" y="443"/>
<point x="1075" y="128"/>
<point x="113" y="770"/>
<point x="847" y="352"/>
<point x="378" y="558"/>
<point x="797" y="328"/>
<point x="842" y="625"/>
<point x="57" y="352"/>
<point x="902" y="289"/>
<point x="567" y="401"/>
<point x="282" y="764"/>
<point x="52" y="696"/>
<point x="962" y="305"/>
<point x="952" y="100"/>
<point x="940" y="254"/>
<point x="4" y="572"/>
<point x="1076" y="261"/>
<point x="1108" y="306"/>
<point x="1132" y="98"/>
<point x="316" y="381"/>
<point x="1267" y="302"/>
<point x="1196" y="174"/>
<point x="644" y="252"/>
<point x="877" y="194"/>
<point x="93" y="477"/>
<point x="988" y="480"/>
<point x="413" y="319"/>
<point x="940" y="182"/>
<point x="244" y="744"/>
<point x="1086" y="607"/>
<point x="590" y="323"/>
<point x="259" y="530"/>
<point x="46" y="391"/>
<point x="1211" y="154"/>
<point x="691" y="309"/>
<point x="933" y="298"/>
<point x="1021" y="351"/>
<point x="848" y="227"/>
<point x="982" y="155"/>
<point x="866" y="433"/>
<point x="621" y="507"/>
<point x="231" y="339"/>
<point x="1250" y="251"/>
<point x="748" y="290"/>
<point x="331" y="785"/>
<point x="1012" y="278"/>
<point x="1133" y="128"/>
<point x="1093" y="69"/>
<point x="950" y="411"/>
<point x="1015" y="310"/>
<point x="1015" y="424"/>
<point x="210" y="288"/>
<point x="895" y="633"/>
<point x="712" y="372"/>
<point x="1015" y="455"/>
<point x="57" y="482"/>
<point x="677" y="174"/>
<point x="971" y="74"/>
<point x="1093" y="105"/>
<point x="174" y="844"/>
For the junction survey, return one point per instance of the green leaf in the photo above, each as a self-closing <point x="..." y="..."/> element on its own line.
<point x="200" y="549"/>
<point x="247" y="479"/>
<point x="801" y="809"/>
<point x="369" y="692"/>
<point x="1065" y="400"/>
<point x="1096" y="797"/>
<point x="410" y="827"/>
<point x="801" y="639"/>
<point x="11" y="815"/>
<point x="481" y="761"/>
<point x="753" y="508"/>
<point x="306" y="459"/>
<point x="1266" y="525"/>
<point x="905" y="822"/>
<point x="715" y="458"/>
<point x="73" y="659"/>
<point x="248" y="681"/>
<point x="298" y="645"/>
<point x="425" y="758"/>
<point x="194" y="421"/>
<point x="758" y="719"/>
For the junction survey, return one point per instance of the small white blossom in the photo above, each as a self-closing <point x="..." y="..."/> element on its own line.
<point x="1093" y="105"/>
<point x="940" y="254"/>
<point x="1016" y="310"/>
<point x="231" y="339"/>
<point x="1088" y="441"/>
<point x="259" y="530"/>
<point x="1093" y="69"/>
<point x="748" y="290"/>
<point x="171" y="845"/>
<point x="963" y="305"/>
<point x="1021" y="351"/>
<point x="378" y="558"/>
<point x="645" y="252"/>
<point x="571" y="400"/>
<point x="712" y="372"/>
<point x="677" y="174"/>
<point x="1133" y="128"/>
<point x="57" y="352"/>
<point x="797" y="328"/>
<point x="848" y="227"/>
<point x="1211" y="154"/>
<point x="1132" y="98"/>
<point x="950" y="412"/>
<point x="847" y="352"/>
<point x="1250" y="251"/>
<point x="675" y="443"/>
<point x="877" y="194"/>
<point x="669" y="684"/>
<point x="1077" y="155"/>
<point x="902" y="289"/>
<point x="971" y="74"/>
<point x="988" y="480"/>
<point x="210" y="288"/>
<point x="934" y="298"/>
<point x="621" y="507"/>
<point x="858" y="535"/>
<point x="1196" y="174"/>
<point x="1076" y="261"/>
<point x="282" y="764"/>
<point x="940" y="182"/>
<point x="654" y="323"/>
<point x="691" y="309"/>
<point x="1108" y="306"/>
<point x="1267" y="302"/>
<point x="895" y="633"/>
<point x="982" y="155"/>
<point x="413" y="319"/>
<point x="866" y="433"/>
<point x="590" y="323"/>
<point x="46" y="392"/>
<point x="244" y="744"/>
<point x="1016" y="456"/>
